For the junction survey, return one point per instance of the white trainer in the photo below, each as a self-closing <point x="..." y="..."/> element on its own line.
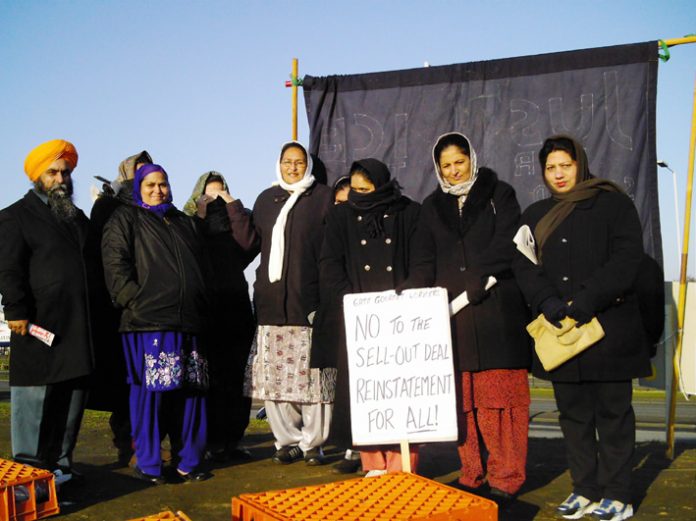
<point x="576" y="506"/>
<point x="613" y="510"/>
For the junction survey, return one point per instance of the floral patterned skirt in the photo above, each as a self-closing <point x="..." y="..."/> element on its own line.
<point x="164" y="360"/>
<point x="278" y="368"/>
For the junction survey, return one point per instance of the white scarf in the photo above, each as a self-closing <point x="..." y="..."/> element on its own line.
<point x="277" y="254"/>
<point x="461" y="190"/>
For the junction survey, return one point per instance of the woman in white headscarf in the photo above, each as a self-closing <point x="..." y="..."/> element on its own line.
<point x="287" y="228"/>
<point x="464" y="236"/>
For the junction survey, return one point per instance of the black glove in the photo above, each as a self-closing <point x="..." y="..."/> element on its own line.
<point x="580" y="311"/>
<point x="553" y="309"/>
<point x="474" y="286"/>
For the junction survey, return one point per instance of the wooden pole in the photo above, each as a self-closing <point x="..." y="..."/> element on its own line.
<point x="294" y="99"/>
<point x="681" y="309"/>
<point x="405" y="456"/>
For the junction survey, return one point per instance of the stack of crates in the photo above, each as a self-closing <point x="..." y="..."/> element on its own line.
<point x="164" y="516"/>
<point x="391" y="497"/>
<point x="26" y="493"/>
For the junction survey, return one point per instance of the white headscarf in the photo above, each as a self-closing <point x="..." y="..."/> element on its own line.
<point x="277" y="254"/>
<point x="461" y="190"/>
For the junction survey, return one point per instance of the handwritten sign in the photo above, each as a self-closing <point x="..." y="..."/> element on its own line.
<point x="401" y="375"/>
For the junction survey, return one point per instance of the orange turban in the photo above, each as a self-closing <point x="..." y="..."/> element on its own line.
<point x="39" y="159"/>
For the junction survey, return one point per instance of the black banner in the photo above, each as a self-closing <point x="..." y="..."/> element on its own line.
<point x="605" y="97"/>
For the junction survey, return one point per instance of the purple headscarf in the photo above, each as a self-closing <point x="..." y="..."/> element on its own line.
<point x="140" y="174"/>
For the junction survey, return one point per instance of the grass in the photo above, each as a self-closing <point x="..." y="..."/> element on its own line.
<point x="98" y="418"/>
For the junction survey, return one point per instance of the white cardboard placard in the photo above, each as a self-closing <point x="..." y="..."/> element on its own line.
<point x="401" y="373"/>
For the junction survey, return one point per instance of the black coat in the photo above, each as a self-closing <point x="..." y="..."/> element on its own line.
<point x="43" y="278"/>
<point x="353" y="262"/>
<point x="154" y="270"/>
<point x="288" y="301"/>
<point x="593" y="255"/>
<point x="490" y="334"/>
<point x="109" y="390"/>
<point x="229" y="295"/>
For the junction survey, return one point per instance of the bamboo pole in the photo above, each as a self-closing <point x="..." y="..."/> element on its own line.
<point x="681" y="309"/>
<point x="679" y="41"/>
<point x="294" y="99"/>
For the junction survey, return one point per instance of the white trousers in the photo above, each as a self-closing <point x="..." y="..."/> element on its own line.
<point x="303" y="424"/>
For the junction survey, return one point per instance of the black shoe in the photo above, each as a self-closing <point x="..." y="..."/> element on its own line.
<point x="216" y="456"/>
<point x="481" y="491"/>
<point x="502" y="498"/>
<point x="239" y="454"/>
<point x="347" y="466"/>
<point x="286" y="455"/>
<point x="227" y="455"/>
<point x="193" y="476"/>
<point x="314" y="457"/>
<point x="72" y="476"/>
<point x="150" y="478"/>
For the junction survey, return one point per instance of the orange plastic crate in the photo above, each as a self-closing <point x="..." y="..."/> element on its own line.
<point x="23" y="479"/>
<point x="392" y="497"/>
<point x="164" y="516"/>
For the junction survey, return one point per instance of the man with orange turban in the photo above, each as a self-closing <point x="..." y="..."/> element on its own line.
<point x="43" y="283"/>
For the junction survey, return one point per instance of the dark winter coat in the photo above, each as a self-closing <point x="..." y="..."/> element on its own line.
<point x="43" y="278"/>
<point x="154" y="270"/>
<point x="490" y="334"/>
<point x="594" y="255"/>
<point x="109" y="390"/>
<point x="290" y="300"/>
<point x="353" y="262"/>
<point x="229" y="342"/>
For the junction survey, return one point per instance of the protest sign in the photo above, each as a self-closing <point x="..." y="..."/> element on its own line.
<point x="401" y="375"/>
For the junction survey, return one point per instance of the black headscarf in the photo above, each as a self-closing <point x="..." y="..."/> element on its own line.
<point x="373" y="205"/>
<point x="586" y="187"/>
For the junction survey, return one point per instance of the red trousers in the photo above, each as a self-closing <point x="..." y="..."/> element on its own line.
<point x="495" y="411"/>
<point x="386" y="457"/>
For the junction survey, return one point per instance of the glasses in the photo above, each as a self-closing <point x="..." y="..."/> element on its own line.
<point x="290" y="164"/>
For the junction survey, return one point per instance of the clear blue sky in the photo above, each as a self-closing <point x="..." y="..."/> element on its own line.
<point x="200" y="84"/>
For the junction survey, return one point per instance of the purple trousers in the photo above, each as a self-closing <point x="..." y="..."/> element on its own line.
<point x="180" y="413"/>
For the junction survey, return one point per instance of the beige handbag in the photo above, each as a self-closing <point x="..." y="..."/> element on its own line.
<point x="554" y="345"/>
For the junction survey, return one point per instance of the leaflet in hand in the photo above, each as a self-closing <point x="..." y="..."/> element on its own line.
<point x="524" y="239"/>
<point x="38" y="332"/>
<point x="462" y="300"/>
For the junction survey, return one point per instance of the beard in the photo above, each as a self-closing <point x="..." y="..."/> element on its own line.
<point x="60" y="200"/>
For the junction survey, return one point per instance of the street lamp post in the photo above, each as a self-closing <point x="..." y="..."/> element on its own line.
<point x="663" y="164"/>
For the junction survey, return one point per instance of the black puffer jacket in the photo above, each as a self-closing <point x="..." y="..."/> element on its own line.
<point x="154" y="270"/>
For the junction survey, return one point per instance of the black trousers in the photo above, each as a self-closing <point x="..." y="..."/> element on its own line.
<point x="599" y="429"/>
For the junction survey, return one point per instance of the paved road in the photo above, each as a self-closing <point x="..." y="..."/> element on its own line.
<point x="650" y="416"/>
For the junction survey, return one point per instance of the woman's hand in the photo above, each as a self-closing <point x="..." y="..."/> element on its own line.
<point x="474" y="286"/>
<point x="18" y="327"/>
<point x="202" y="205"/>
<point x="225" y="196"/>
<point x="554" y="310"/>
<point x="580" y="310"/>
